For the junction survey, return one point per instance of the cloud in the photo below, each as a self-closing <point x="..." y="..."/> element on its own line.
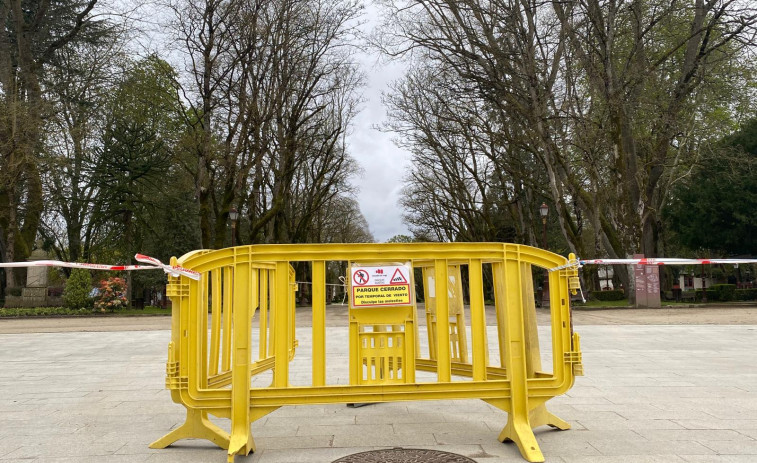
<point x="384" y="165"/>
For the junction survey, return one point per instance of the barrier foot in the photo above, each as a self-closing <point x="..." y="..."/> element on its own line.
<point x="196" y="426"/>
<point x="241" y="444"/>
<point x="540" y="416"/>
<point x="519" y="431"/>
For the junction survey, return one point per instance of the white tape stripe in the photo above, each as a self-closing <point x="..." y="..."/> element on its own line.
<point x="171" y="270"/>
<point x="668" y="261"/>
<point x="156" y="265"/>
<point x="654" y="261"/>
<point x="57" y="263"/>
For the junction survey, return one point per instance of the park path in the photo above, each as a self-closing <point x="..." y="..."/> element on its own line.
<point x="337" y="316"/>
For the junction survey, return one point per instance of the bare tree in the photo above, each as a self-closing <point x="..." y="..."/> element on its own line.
<point x="601" y="95"/>
<point x="466" y="184"/>
<point x="273" y="95"/>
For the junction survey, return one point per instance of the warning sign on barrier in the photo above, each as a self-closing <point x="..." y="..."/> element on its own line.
<point x="380" y="285"/>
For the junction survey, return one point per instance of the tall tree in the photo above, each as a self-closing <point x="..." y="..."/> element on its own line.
<point x="272" y="93"/>
<point x="135" y="158"/>
<point x="78" y="92"/>
<point x="602" y="95"/>
<point x="465" y="183"/>
<point x="33" y="32"/>
<point x="713" y="208"/>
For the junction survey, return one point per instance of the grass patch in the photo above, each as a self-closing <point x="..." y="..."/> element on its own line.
<point x="67" y="312"/>
<point x="595" y="303"/>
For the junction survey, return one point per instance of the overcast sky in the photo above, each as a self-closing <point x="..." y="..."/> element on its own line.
<point x="383" y="164"/>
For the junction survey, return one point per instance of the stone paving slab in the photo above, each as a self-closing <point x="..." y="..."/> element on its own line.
<point x="650" y="394"/>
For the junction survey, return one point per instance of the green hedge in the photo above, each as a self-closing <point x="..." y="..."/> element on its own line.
<point x="746" y="294"/>
<point x="719" y="293"/>
<point x="42" y="312"/>
<point x="711" y="295"/>
<point x="725" y="292"/>
<point x="13" y="291"/>
<point x="611" y="295"/>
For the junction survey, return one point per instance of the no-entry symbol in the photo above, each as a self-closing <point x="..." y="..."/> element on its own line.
<point x="360" y="277"/>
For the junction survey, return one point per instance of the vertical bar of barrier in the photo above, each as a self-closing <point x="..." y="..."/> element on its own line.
<point x="558" y="302"/>
<point x="203" y="330"/>
<point x="292" y="309"/>
<point x="478" y="319"/>
<point x="191" y="333"/>
<point x="508" y="277"/>
<point x="241" y="439"/>
<point x="227" y="317"/>
<point x="462" y="337"/>
<point x="263" y="319"/>
<point x="281" y="325"/>
<point x="215" y="322"/>
<point x="499" y="304"/>
<point x="271" y="311"/>
<point x="443" y="367"/>
<point x="187" y="319"/>
<point x="319" y="323"/>
<point x="533" y="352"/>
<point x="429" y="302"/>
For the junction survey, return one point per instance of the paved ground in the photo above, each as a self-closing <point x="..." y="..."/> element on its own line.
<point x="683" y="390"/>
<point x="337" y="316"/>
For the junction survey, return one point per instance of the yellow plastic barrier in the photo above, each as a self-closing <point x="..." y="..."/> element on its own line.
<point x="212" y="360"/>
<point x="458" y="339"/>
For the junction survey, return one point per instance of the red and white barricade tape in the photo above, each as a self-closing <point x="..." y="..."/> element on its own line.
<point x="174" y="271"/>
<point x="653" y="261"/>
<point x="155" y="264"/>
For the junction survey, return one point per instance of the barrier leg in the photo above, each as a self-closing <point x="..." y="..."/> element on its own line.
<point x="241" y="438"/>
<point x="507" y="278"/>
<point x="540" y="416"/>
<point x="197" y="426"/>
<point x="518" y="430"/>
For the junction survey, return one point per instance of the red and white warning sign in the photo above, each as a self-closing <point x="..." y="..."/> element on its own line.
<point x="380" y="285"/>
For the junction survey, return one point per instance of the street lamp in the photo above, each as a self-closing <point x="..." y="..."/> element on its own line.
<point x="544" y="212"/>
<point x="233" y="215"/>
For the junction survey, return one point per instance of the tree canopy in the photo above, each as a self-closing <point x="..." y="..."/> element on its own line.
<point x="615" y="114"/>
<point x="714" y="208"/>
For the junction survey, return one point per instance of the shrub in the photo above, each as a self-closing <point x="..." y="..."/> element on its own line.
<point x="611" y="295"/>
<point x="745" y="294"/>
<point x="712" y="295"/>
<point x="42" y="311"/>
<point x="112" y="295"/>
<point x="78" y="286"/>
<point x="725" y="292"/>
<point x="13" y="291"/>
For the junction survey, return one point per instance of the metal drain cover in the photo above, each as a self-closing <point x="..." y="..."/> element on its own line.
<point x="400" y="455"/>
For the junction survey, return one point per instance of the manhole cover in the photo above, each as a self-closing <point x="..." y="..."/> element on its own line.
<point x="404" y="456"/>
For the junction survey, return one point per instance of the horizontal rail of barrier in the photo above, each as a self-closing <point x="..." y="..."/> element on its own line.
<point x="233" y="333"/>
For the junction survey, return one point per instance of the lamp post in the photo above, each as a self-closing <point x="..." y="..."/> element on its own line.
<point x="233" y="215"/>
<point x="544" y="212"/>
